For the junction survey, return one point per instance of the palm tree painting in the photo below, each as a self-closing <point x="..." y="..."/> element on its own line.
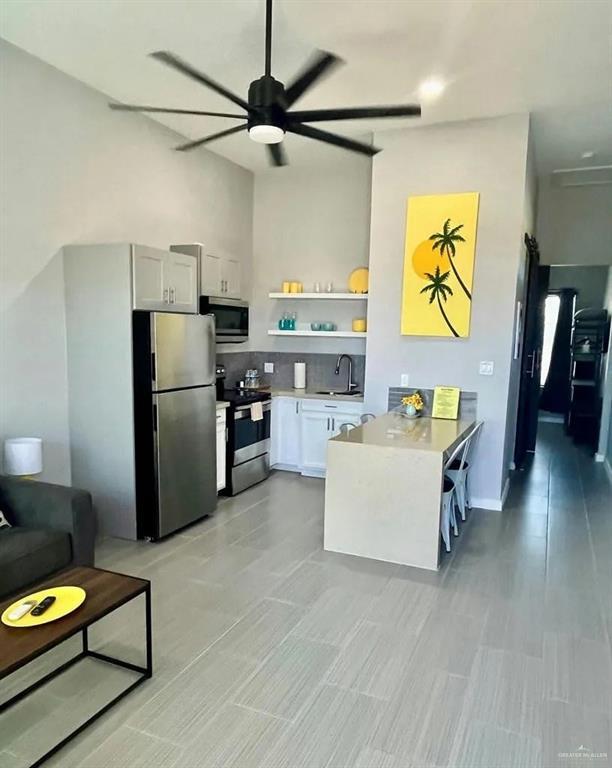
<point x="438" y="288"/>
<point x="446" y="241"/>
<point x="439" y="258"/>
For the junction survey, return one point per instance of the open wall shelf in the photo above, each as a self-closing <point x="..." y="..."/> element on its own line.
<point x="322" y="334"/>
<point x="321" y="296"/>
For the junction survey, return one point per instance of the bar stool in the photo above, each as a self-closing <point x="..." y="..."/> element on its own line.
<point x="448" y="513"/>
<point x="365" y="417"/>
<point x="346" y="427"/>
<point x="458" y="468"/>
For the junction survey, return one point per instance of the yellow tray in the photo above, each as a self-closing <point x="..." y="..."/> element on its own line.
<point x="67" y="599"/>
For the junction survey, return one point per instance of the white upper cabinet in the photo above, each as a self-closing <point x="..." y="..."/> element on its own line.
<point x="164" y="281"/>
<point x="230" y="274"/>
<point x="211" y="280"/>
<point x="149" y="282"/>
<point x="183" y="282"/>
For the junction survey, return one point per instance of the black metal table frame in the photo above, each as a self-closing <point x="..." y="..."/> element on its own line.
<point x="146" y="672"/>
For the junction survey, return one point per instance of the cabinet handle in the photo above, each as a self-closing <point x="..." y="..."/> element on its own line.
<point x="333" y="425"/>
<point x="328" y="423"/>
<point x="172" y="295"/>
<point x="165" y="296"/>
<point x="297" y="407"/>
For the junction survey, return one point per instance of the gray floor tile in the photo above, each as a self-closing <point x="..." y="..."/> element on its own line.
<point x="333" y="617"/>
<point x="373" y="660"/>
<point x="127" y="747"/>
<point x="288" y="677"/>
<point x="181" y="709"/>
<point x="574" y="736"/>
<point x="261" y="630"/>
<point x="483" y="745"/>
<point x="307" y="583"/>
<point x="404" y="605"/>
<point x="234" y="737"/>
<point x="448" y="641"/>
<point x="330" y="733"/>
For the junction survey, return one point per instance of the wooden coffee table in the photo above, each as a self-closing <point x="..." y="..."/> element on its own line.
<point x="106" y="591"/>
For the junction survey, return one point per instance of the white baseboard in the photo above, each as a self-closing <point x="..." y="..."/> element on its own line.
<point x="600" y="458"/>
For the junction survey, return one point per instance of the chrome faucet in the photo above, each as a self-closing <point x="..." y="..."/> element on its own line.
<point x="350" y="385"/>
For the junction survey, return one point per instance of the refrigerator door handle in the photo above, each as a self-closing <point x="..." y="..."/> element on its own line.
<point x="154" y="417"/>
<point x="153" y="368"/>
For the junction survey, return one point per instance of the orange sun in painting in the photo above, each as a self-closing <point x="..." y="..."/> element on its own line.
<point x="424" y="259"/>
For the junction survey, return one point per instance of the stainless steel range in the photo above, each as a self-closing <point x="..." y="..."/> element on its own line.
<point x="248" y="443"/>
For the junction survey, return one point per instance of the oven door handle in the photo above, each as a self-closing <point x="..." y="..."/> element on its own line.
<point x="244" y="411"/>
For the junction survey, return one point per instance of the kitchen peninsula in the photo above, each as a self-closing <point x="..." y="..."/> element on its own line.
<point x="384" y="488"/>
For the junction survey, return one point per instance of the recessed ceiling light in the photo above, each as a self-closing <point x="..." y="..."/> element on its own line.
<point x="431" y="88"/>
<point x="588" y="154"/>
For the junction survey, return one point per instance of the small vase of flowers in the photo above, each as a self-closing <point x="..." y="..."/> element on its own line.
<point x="413" y="405"/>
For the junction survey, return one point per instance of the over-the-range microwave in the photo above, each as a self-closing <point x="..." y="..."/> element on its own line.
<point x="231" y="318"/>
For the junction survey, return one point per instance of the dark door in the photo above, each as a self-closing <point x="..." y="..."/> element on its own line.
<point x="531" y="358"/>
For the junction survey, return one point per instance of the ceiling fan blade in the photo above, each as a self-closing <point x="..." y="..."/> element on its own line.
<point x="173" y="61"/>
<point x="136" y="108"/>
<point x="212" y="137"/>
<point x="322" y="63"/>
<point x="332" y="138"/>
<point x="354" y="113"/>
<point x="277" y="154"/>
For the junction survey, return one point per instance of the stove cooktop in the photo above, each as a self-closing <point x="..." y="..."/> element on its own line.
<point x="237" y="397"/>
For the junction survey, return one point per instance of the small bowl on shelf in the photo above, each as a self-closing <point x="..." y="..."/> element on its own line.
<point x="328" y="327"/>
<point x="315" y="326"/>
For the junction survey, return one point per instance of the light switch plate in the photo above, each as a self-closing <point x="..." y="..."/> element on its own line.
<point x="268" y="367"/>
<point x="405" y="380"/>
<point x="486" y="368"/>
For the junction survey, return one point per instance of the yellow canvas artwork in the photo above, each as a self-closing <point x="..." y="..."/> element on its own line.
<point x="439" y="265"/>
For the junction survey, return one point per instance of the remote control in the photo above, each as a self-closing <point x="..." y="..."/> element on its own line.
<point x="21" y="610"/>
<point x="44" y="604"/>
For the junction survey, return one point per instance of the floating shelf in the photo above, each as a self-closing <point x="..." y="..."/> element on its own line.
<point x="333" y="334"/>
<point x="321" y="296"/>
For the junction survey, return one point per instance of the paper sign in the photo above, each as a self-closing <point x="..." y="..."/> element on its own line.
<point x="445" y="402"/>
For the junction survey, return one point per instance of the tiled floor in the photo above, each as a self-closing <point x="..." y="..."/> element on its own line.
<point x="271" y="652"/>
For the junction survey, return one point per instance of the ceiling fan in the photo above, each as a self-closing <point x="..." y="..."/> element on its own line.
<point x="268" y="107"/>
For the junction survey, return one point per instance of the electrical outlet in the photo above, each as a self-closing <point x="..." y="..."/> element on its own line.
<point x="486" y="368"/>
<point x="268" y="367"/>
<point x="405" y="380"/>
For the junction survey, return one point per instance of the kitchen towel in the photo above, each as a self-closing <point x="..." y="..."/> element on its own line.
<point x="256" y="411"/>
<point x="299" y="375"/>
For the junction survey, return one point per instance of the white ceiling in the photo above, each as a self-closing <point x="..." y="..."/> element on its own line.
<point x="549" y="57"/>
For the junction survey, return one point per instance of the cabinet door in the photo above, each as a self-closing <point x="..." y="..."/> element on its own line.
<point x="149" y="280"/>
<point x="182" y="280"/>
<point x="230" y="276"/>
<point x="210" y="282"/>
<point x="285" y="432"/>
<point x="316" y="431"/>
<point x="220" y="450"/>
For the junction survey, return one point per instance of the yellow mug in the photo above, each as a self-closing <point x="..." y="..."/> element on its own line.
<point x="294" y="288"/>
<point x="360" y="325"/>
<point x="286" y="287"/>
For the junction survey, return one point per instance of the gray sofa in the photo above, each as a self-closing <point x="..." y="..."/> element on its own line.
<point x="53" y="527"/>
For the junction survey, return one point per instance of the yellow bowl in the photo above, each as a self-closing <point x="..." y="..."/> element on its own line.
<point x="360" y="325"/>
<point x="67" y="599"/>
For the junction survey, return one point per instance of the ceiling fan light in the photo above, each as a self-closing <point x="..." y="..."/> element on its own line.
<point x="266" y="134"/>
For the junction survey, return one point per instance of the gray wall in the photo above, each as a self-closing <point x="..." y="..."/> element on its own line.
<point x="490" y="157"/>
<point x="310" y="224"/>
<point x="590" y="282"/>
<point x="72" y="171"/>
<point x="575" y="224"/>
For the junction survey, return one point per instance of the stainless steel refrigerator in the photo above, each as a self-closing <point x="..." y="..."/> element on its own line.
<point x="174" y="420"/>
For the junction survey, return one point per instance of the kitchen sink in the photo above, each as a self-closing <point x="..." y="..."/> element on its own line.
<point x="330" y="393"/>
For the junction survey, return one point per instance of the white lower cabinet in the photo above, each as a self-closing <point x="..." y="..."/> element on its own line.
<point x="285" y="432"/>
<point x="301" y="429"/>
<point x="221" y="440"/>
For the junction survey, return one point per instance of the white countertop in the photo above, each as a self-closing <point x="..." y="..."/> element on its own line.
<point x="392" y="430"/>
<point x="310" y="394"/>
<point x="222" y="404"/>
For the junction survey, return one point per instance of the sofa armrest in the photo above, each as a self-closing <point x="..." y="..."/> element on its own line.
<point x="33" y="504"/>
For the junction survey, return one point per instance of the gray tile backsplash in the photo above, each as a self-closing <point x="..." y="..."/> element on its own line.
<point x="320" y="369"/>
<point x="468" y="401"/>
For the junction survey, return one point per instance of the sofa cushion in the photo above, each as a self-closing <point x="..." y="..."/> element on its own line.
<point x="29" y="554"/>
